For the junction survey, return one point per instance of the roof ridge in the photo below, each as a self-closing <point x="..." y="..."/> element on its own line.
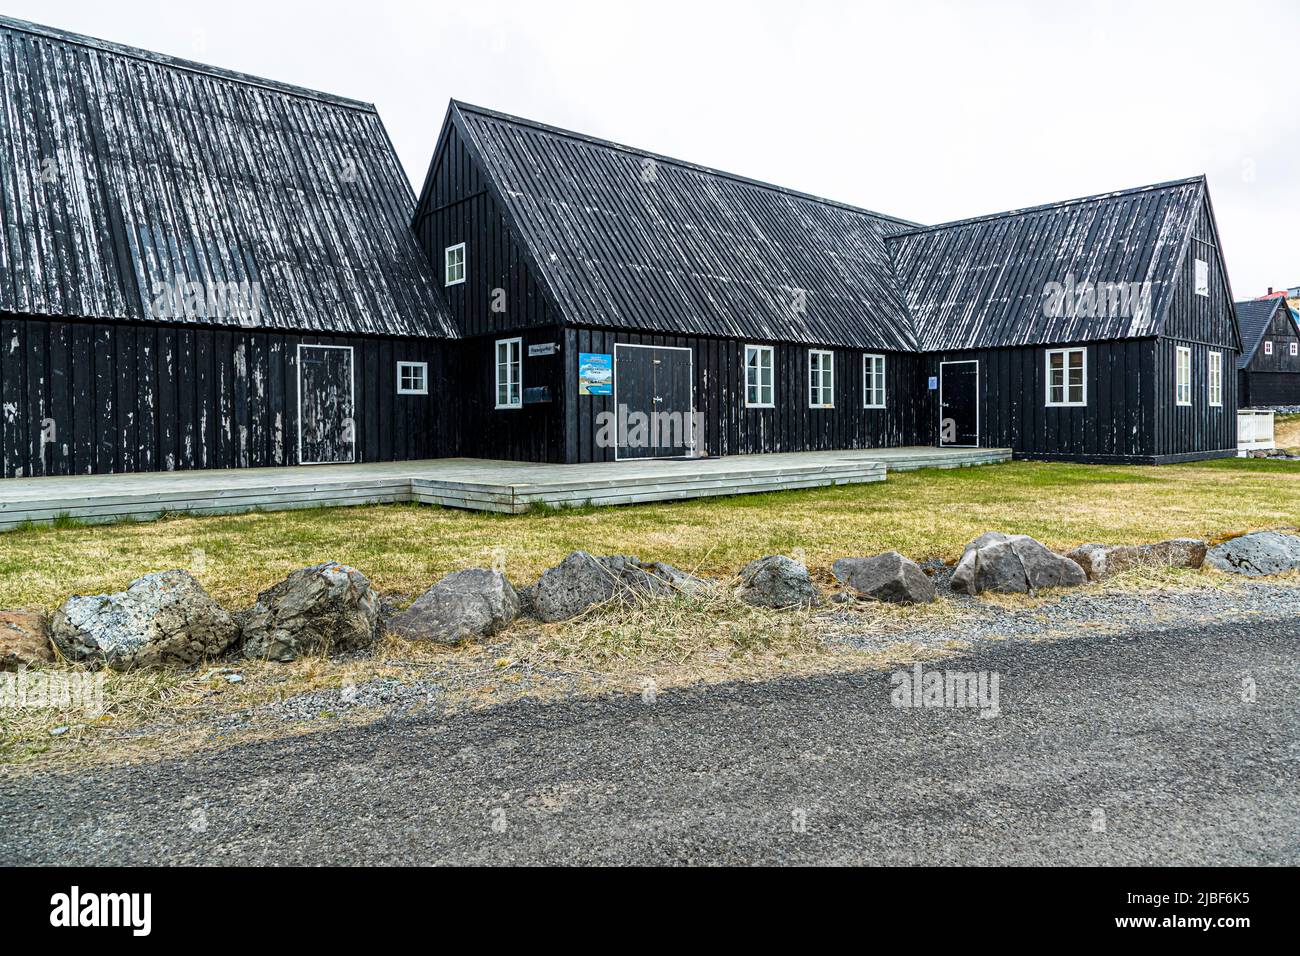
<point x="669" y="160"/>
<point x="1061" y="204"/>
<point x="179" y="63"/>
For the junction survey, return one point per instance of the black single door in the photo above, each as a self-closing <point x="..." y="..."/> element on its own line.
<point x="959" y="417"/>
<point x="326" y="412"/>
<point x="654" y="402"/>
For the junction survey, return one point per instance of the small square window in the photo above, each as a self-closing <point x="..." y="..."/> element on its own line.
<point x="454" y="262"/>
<point x="1067" y="377"/>
<point x="412" y="378"/>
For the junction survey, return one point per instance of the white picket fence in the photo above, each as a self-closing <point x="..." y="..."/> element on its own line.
<point x="1254" y="431"/>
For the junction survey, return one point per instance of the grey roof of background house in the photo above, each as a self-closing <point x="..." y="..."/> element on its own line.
<point x="1253" y="317"/>
<point x="126" y="172"/>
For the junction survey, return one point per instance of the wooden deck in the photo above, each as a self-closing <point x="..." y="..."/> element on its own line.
<point x="502" y="486"/>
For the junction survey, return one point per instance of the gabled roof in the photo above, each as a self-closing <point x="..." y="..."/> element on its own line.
<point x="630" y="239"/>
<point x="129" y="174"/>
<point x="980" y="283"/>
<point x="1253" y="319"/>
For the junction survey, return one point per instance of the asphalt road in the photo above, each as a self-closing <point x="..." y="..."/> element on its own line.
<point x="1132" y="749"/>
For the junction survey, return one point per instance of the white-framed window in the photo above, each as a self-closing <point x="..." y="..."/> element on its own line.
<point x="1067" y="376"/>
<point x="1202" y="277"/>
<point x="510" y="373"/>
<point x="1215" y="379"/>
<point x="412" y="378"/>
<point x="1268" y="347"/>
<point x="1295" y="348"/>
<point x="821" y="379"/>
<point x="1183" y="376"/>
<point x="873" y="381"/>
<point x="454" y="264"/>
<point x="760" y="381"/>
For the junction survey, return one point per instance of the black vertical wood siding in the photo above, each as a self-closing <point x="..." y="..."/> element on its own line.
<point x="732" y="429"/>
<point x="1115" y="425"/>
<point x="457" y="206"/>
<point x="534" y="432"/>
<point x="128" y="398"/>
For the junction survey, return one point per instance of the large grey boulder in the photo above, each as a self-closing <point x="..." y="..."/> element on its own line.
<point x="164" y="619"/>
<point x="1257" y="554"/>
<point x="886" y="577"/>
<point x="1102" y="560"/>
<point x="1013" y="564"/>
<point x="24" y="640"/>
<point x="463" y="606"/>
<point x="328" y="608"/>
<point x="777" y="582"/>
<point x="582" y="581"/>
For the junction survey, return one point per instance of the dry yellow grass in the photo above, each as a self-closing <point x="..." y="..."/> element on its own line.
<point x="405" y="548"/>
<point x="1286" y="431"/>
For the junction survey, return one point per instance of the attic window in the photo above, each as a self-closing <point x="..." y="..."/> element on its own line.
<point x="1202" y="277"/>
<point x="454" y="259"/>
<point x="1067" y="377"/>
<point x="1295" y="348"/>
<point x="1268" y="347"/>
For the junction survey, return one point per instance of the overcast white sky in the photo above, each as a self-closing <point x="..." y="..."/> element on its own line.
<point x="927" y="110"/>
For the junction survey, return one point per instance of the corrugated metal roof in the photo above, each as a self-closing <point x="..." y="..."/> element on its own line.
<point x="981" y="283"/>
<point x="629" y="239"/>
<point x="137" y="186"/>
<point x="1253" y="318"/>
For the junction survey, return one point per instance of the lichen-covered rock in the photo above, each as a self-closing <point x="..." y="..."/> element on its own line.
<point x="326" y="609"/>
<point x="777" y="582"/>
<point x="164" y="619"/>
<point x="582" y="581"/>
<point x="885" y="577"/>
<point x="1257" y="554"/>
<point x="1013" y="564"/>
<point x="1100" y="561"/>
<point x="24" y="640"/>
<point x="463" y="606"/>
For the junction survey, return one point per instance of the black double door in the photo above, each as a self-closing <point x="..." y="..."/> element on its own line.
<point x="653" y="392"/>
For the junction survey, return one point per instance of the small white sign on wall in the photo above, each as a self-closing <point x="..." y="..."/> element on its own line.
<point x="1202" y="277"/>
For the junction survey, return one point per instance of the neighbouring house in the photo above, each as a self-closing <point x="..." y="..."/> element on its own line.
<point x="1269" y="366"/>
<point x="1098" y="329"/>
<point x="202" y="269"/>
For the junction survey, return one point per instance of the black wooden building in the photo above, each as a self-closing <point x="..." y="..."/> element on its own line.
<point x="1269" y="367"/>
<point x="786" y="322"/>
<point x="200" y="269"/>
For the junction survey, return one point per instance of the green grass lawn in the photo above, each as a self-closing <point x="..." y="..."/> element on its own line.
<point x="405" y="548"/>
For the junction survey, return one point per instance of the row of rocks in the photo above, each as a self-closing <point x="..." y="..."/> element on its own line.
<point x="166" y="619"/>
